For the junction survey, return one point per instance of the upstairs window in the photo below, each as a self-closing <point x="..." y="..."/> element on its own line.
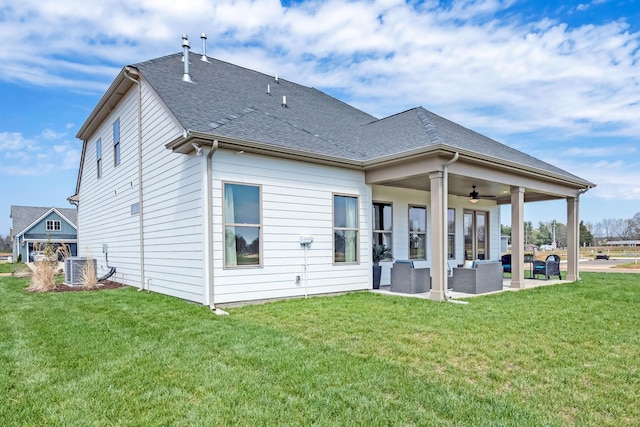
<point x="116" y="142"/>
<point x="99" y="158"/>
<point x="242" y="225"/>
<point x="345" y="229"/>
<point x="53" y="225"/>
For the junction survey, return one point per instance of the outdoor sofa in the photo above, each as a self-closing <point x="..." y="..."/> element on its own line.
<point x="483" y="276"/>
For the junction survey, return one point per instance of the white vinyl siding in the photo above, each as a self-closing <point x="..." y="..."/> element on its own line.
<point x="297" y="200"/>
<point x="171" y="207"/>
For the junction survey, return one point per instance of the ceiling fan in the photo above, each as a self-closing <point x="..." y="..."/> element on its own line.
<point x="474" y="196"/>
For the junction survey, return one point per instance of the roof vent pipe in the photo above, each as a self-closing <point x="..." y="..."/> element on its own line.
<point x="185" y="57"/>
<point x="277" y="81"/>
<point x="204" y="58"/>
<point x="268" y="89"/>
<point x="284" y="100"/>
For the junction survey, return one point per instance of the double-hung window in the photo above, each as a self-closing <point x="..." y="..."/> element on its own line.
<point x="53" y="225"/>
<point x="417" y="232"/>
<point x="382" y="224"/>
<point x="242" y="225"/>
<point x="345" y="229"/>
<point x="116" y="142"/>
<point x="99" y="158"/>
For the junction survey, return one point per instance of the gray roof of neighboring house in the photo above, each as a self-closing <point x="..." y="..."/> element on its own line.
<point x="227" y="100"/>
<point x="24" y="216"/>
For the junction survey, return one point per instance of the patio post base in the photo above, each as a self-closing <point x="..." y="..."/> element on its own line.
<point x="517" y="284"/>
<point x="437" y="295"/>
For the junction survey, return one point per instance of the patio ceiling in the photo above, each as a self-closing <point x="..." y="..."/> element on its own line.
<point x="491" y="178"/>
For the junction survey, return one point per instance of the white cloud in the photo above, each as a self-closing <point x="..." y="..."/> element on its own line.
<point x="513" y="79"/>
<point x="37" y="156"/>
<point x="586" y="6"/>
<point x="51" y="134"/>
<point x="599" y="151"/>
<point x="384" y="56"/>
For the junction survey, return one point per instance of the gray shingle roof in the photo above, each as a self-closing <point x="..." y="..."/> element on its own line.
<point x="228" y="100"/>
<point x="24" y="216"/>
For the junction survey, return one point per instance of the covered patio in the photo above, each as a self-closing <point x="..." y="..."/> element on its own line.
<point x="475" y="171"/>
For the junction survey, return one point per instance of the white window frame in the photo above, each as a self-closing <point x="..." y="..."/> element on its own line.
<point x="53" y="225"/>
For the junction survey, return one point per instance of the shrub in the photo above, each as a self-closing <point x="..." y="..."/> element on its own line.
<point x="88" y="274"/>
<point x="45" y="270"/>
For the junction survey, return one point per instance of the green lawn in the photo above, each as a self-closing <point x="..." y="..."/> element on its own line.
<point x="7" y="267"/>
<point x="552" y="356"/>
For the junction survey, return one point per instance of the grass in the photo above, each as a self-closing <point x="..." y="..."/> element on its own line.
<point x="554" y="356"/>
<point x="7" y="267"/>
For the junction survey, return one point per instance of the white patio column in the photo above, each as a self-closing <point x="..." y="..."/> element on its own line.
<point x="517" y="237"/>
<point x="573" y="239"/>
<point x="438" y="230"/>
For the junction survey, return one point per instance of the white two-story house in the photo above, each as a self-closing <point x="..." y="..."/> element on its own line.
<point x="215" y="183"/>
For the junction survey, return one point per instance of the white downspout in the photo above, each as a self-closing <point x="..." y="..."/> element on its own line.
<point x="445" y="207"/>
<point x="208" y="231"/>
<point x="141" y="212"/>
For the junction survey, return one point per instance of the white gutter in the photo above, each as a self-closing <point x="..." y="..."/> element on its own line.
<point x="127" y="70"/>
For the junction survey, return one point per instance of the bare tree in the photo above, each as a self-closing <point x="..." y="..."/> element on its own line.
<point x="607" y="226"/>
<point x="635" y="224"/>
<point x="5" y="244"/>
<point x="623" y="229"/>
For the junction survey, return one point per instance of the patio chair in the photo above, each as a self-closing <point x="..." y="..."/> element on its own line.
<point x="547" y="268"/>
<point x="407" y="279"/>
<point x="506" y="263"/>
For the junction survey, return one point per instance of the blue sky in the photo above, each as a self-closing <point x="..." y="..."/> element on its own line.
<point x="560" y="82"/>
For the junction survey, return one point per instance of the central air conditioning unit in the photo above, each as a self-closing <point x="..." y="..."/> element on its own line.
<point x="74" y="268"/>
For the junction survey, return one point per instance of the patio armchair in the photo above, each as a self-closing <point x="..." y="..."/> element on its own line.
<point x="547" y="268"/>
<point x="505" y="260"/>
<point x="407" y="279"/>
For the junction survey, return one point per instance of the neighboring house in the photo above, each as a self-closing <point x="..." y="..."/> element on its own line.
<point x="34" y="227"/>
<point x="631" y="243"/>
<point x="200" y="179"/>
